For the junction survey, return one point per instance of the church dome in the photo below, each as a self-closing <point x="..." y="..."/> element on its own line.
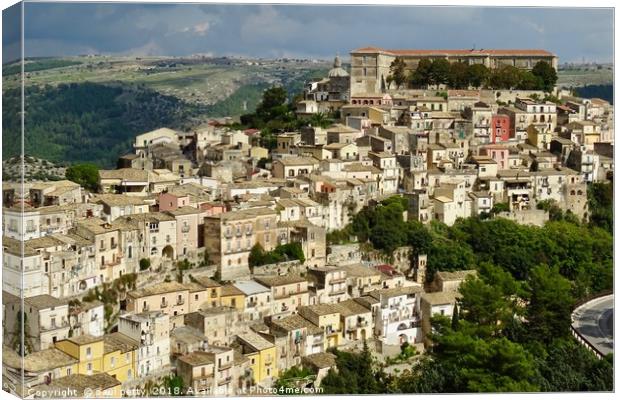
<point x="337" y="71"/>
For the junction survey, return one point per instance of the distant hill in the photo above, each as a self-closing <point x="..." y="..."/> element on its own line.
<point x="90" y="108"/>
<point x="37" y="65"/>
<point x="88" y="121"/>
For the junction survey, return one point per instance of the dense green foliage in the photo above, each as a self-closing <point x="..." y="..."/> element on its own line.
<point x="145" y="264"/>
<point x="460" y="75"/>
<point x="600" y="201"/>
<point x="282" y="252"/>
<point x="397" y="73"/>
<point x="276" y="114"/>
<point x="384" y="226"/>
<point x="291" y="378"/>
<point x="491" y="348"/>
<point x="86" y="175"/>
<point x="37" y="65"/>
<point x="357" y="373"/>
<point x="605" y="92"/>
<point x="510" y="331"/>
<point x="173" y="386"/>
<point x="87" y="122"/>
<point x="250" y="94"/>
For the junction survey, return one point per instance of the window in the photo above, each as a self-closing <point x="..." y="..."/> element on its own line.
<point x="88" y="352"/>
<point x="68" y="371"/>
<point x="112" y="362"/>
<point x="89" y="367"/>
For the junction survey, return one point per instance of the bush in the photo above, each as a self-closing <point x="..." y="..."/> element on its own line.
<point x="145" y="264"/>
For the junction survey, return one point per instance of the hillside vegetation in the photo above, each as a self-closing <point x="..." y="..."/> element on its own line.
<point x="88" y="122"/>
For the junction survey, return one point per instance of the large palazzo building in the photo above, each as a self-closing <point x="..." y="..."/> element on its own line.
<point x="370" y="66"/>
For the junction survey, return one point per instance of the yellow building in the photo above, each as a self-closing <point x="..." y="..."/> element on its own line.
<point x="213" y="292"/>
<point x="327" y="317"/>
<point x="40" y="367"/>
<point x="538" y="136"/>
<point x="88" y="350"/>
<point x="114" y="354"/>
<point x="258" y="152"/>
<point x="120" y="356"/>
<point x="80" y="386"/>
<point x="233" y="297"/>
<point x="262" y="355"/>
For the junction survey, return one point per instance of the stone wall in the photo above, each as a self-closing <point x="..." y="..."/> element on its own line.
<point x="341" y="254"/>
<point x="283" y="268"/>
<point x="526" y="217"/>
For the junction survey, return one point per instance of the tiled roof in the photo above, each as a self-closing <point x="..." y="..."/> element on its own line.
<point x="44" y="360"/>
<point x="455" y="52"/>
<point x="255" y="340"/>
<point x="160" y="288"/>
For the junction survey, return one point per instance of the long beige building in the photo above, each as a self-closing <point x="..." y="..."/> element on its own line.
<point x="370" y="66"/>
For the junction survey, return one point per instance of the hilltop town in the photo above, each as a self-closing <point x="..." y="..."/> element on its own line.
<point x="242" y="257"/>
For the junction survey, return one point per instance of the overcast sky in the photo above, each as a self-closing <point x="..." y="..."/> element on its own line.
<point x="56" y="29"/>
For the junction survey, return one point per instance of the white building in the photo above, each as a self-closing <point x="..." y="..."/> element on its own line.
<point x="397" y="319"/>
<point x="152" y="331"/>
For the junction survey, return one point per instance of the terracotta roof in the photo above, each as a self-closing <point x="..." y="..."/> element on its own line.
<point x="44" y="360"/>
<point x="320" y="360"/>
<point x="465" y="52"/>
<point x="76" y="384"/>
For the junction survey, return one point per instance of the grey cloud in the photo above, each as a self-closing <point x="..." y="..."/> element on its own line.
<point x="312" y="31"/>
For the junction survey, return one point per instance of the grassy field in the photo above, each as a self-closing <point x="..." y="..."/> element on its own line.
<point x="582" y="77"/>
<point x="203" y="82"/>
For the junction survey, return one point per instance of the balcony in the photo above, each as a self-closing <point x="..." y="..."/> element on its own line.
<point x="225" y="366"/>
<point x="185" y="229"/>
<point x="164" y="304"/>
<point x="56" y="325"/>
<point x="224" y="380"/>
<point x="336" y="281"/>
<point x="284" y="308"/>
<point x="145" y="307"/>
<point x="113" y="246"/>
<point x="180" y="302"/>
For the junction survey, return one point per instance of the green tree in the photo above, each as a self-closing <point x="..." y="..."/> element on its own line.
<point x="506" y="77"/>
<point x="356" y="374"/>
<point x="529" y="81"/>
<point x="547" y="74"/>
<point x="174" y="386"/>
<point x="86" y="175"/>
<point x="397" y="72"/>
<point x="477" y="75"/>
<point x="600" y="201"/>
<point x="439" y="71"/>
<point x="145" y="264"/>
<point x="550" y="304"/>
<point x="459" y="75"/>
<point x="421" y="76"/>
<point x="292" y="378"/>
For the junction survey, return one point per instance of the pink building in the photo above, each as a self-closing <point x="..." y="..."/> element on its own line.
<point x="170" y="202"/>
<point x="498" y="152"/>
<point x="500" y="128"/>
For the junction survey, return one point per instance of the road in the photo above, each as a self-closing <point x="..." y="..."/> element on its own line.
<point x="594" y="320"/>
